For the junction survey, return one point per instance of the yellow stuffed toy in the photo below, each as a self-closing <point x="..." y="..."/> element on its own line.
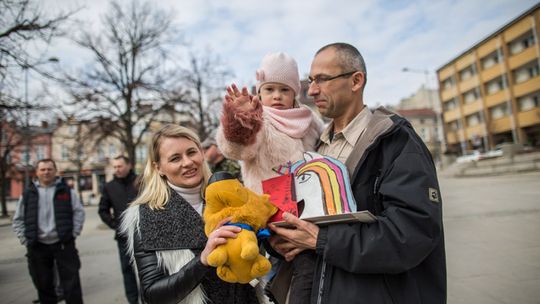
<point x="237" y="261"/>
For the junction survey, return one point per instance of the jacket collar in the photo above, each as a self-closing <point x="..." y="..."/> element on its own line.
<point x="177" y="226"/>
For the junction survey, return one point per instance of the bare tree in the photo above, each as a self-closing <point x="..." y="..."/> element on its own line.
<point x="16" y="137"/>
<point x="8" y="142"/>
<point x="205" y="81"/>
<point x="129" y="73"/>
<point x="22" y="24"/>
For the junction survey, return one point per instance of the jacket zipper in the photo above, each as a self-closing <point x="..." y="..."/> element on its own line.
<point x="321" y="282"/>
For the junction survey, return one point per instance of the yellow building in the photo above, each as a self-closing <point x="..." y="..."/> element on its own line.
<point x="491" y="92"/>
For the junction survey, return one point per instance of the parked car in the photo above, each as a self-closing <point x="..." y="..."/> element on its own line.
<point x="498" y="152"/>
<point x="469" y="157"/>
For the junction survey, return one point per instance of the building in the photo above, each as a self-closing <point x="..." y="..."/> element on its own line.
<point x="82" y="157"/>
<point x="83" y="154"/>
<point x="490" y="93"/>
<point x="25" y="146"/>
<point x="422" y="110"/>
<point x="424" y="121"/>
<point x="423" y="98"/>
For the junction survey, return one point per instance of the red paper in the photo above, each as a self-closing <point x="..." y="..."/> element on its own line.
<point x="281" y="191"/>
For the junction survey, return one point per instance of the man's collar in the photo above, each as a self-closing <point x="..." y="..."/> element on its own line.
<point x="352" y="131"/>
<point x="56" y="182"/>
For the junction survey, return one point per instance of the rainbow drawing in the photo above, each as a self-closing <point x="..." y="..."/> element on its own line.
<point x="335" y="194"/>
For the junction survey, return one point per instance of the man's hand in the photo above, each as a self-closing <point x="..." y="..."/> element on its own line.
<point x="290" y="242"/>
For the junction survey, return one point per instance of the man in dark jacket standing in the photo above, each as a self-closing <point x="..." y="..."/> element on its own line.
<point x="400" y="258"/>
<point x="48" y="218"/>
<point x="116" y="196"/>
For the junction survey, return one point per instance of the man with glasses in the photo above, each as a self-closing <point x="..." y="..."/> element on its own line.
<point x="400" y="258"/>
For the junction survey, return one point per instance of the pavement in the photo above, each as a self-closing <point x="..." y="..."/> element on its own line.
<point x="492" y="233"/>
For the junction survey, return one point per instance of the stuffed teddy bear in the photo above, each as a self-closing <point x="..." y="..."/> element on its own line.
<point x="237" y="261"/>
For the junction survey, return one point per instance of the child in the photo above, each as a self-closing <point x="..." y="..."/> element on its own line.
<point x="268" y="130"/>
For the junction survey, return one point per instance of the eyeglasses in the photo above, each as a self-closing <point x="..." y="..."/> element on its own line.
<point x="324" y="78"/>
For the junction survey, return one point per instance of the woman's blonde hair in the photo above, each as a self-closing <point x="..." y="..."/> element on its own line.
<point x="154" y="189"/>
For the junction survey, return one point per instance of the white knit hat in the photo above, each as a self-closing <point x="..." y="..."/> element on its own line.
<point x="281" y="68"/>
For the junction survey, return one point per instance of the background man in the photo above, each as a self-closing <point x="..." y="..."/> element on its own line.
<point x="116" y="196"/>
<point x="48" y="218"/>
<point x="216" y="160"/>
<point x="401" y="257"/>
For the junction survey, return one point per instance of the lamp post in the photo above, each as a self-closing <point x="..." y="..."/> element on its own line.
<point x="26" y="129"/>
<point x="439" y="138"/>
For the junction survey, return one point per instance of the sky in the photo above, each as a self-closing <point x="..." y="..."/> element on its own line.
<point x="421" y="35"/>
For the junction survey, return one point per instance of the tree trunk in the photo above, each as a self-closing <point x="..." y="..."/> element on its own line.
<point x="3" y="198"/>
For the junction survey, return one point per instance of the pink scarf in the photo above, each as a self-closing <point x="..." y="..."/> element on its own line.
<point x="294" y="122"/>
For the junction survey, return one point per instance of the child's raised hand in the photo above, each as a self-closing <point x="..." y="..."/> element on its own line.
<point x="241" y="99"/>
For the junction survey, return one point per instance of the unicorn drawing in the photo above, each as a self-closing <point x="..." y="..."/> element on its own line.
<point x="321" y="185"/>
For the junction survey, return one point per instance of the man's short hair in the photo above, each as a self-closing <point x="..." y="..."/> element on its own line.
<point x="46" y="160"/>
<point x="349" y="57"/>
<point x="125" y="158"/>
<point x="210" y="140"/>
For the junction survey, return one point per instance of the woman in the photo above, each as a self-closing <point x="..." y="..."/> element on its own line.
<point x="165" y="229"/>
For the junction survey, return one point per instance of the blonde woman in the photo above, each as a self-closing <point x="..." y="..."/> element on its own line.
<point x="165" y="228"/>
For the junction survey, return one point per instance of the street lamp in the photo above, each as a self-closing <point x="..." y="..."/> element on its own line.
<point x="27" y="133"/>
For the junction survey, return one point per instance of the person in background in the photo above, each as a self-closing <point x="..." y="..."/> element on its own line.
<point x="48" y="218"/>
<point x="115" y="198"/>
<point x="215" y="158"/>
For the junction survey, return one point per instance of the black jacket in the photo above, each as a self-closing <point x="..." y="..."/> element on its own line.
<point x="179" y="227"/>
<point x="115" y="197"/>
<point x="400" y="258"/>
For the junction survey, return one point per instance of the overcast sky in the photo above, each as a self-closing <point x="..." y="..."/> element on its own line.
<point x="421" y="35"/>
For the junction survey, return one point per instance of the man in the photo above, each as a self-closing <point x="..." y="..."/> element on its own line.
<point x="400" y="258"/>
<point x="216" y="160"/>
<point x="48" y="218"/>
<point x="116" y="196"/>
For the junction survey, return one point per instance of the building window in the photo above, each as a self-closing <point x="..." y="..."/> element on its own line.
<point x="112" y="150"/>
<point x="490" y="60"/>
<point x="137" y="129"/>
<point x="473" y="119"/>
<point x="471" y="95"/>
<point x="454" y="125"/>
<point x="7" y="187"/>
<point x="40" y="152"/>
<point x="526" y="72"/>
<point x="65" y="153"/>
<point x="85" y="182"/>
<point x="499" y="111"/>
<point x="100" y="154"/>
<point x="495" y="85"/>
<point x="450" y="104"/>
<point x="467" y="73"/>
<point x="140" y="153"/>
<point x="521" y="43"/>
<point x="448" y="83"/>
<point x="529" y="102"/>
<point x="72" y="130"/>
